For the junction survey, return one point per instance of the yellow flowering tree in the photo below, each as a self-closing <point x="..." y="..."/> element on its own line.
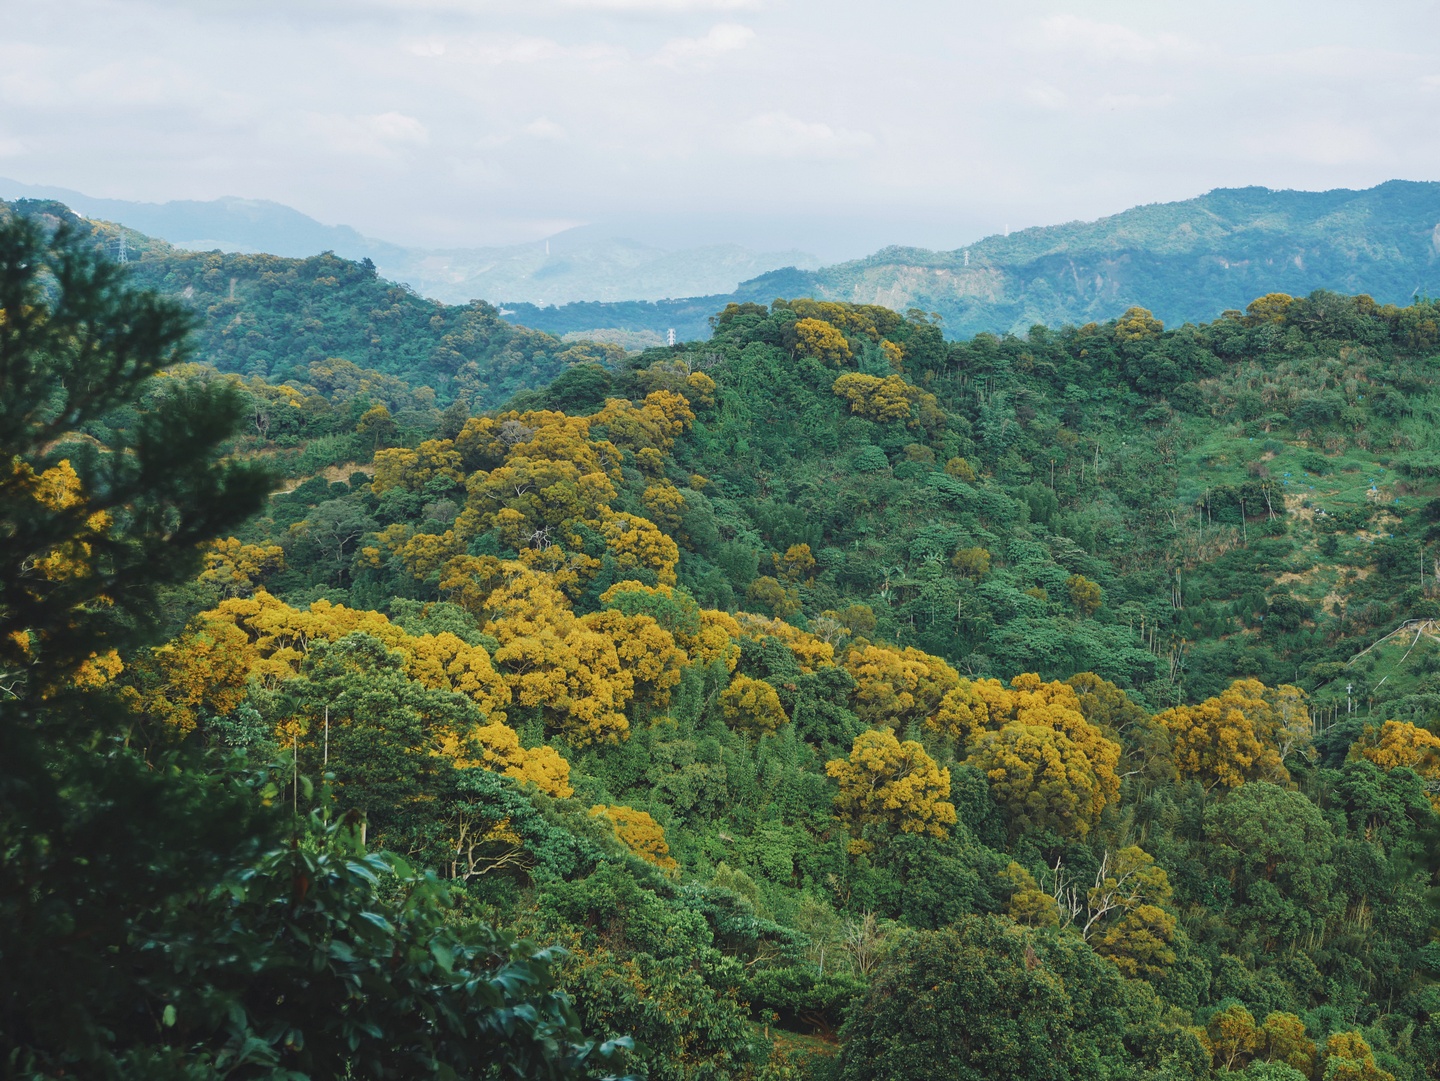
<point x="752" y="705"/>
<point x="638" y="832"/>
<point x="1232" y="738"/>
<point x="893" y="785"/>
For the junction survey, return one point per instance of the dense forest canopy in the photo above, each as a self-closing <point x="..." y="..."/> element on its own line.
<point x="275" y="318"/>
<point x="845" y="701"/>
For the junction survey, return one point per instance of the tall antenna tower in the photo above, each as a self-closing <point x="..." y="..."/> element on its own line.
<point x="122" y="250"/>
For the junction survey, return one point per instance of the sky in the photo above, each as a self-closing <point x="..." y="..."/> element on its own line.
<point x="833" y="126"/>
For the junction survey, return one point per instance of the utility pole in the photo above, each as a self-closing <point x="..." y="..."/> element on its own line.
<point x="1349" y="704"/>
<point x="327" y="734"/>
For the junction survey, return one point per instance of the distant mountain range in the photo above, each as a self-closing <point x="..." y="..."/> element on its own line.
<point x="1185" y="261"/>
<point x="583" y="264"/>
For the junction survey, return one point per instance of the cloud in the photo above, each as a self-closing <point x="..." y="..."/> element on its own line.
<point x="1107" y="41"/>
<point x="1134" y="102"/>
<point x="1046" y="96"/>
<point x="665" y="6"/>
<point x="509" y="49"/>
<point x="545" y="128"/>
<point x="1320" y="142"/>
<point x="780" y="135"/>
<point x="722" y="38"/>
<point x="383" y="135"/>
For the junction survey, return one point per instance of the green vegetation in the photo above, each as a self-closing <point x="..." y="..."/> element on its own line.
<point x="835" y="700"/>
<point x="1187" y="261"/>
<point x="273" y="318"/>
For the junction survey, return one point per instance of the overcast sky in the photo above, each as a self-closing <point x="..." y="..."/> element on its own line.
<point x="835" y="125"/>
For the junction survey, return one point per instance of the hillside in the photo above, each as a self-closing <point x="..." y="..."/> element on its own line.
<point x="581" y="264"/>
<point x="277" y="318"/>
<point x="850" y="704"/>
<point x="1185" y="261"/>
<point x="827" y="531"/>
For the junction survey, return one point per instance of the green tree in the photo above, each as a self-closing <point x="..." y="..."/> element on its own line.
<point x="1275" y="847"/>
<point x="986" y="998"/>
<point x="154" y="920"/>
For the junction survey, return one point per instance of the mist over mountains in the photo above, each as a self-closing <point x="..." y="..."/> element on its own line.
<point x="587" y="263"/>
<point x="1185" y="261"/>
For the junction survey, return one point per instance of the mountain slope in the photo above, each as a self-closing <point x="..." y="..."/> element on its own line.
<point x="706" y="594"/>
<point x="585" y="263"/>
<point x="272" y="317"/>
<point x="1186" y="261"/>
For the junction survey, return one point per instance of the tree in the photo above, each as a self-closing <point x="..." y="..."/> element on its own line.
<point x="1085" y="595"/>
<point x="1348" y="1058"/>
<point x="638" y="832"/>
<point x="1400" y="744"/>
<point x="893" y="785"/>
<point x="897" y="686"/>
<point x="238" y="569"/>
<point x="1140" y="942"/>
<point x="499" y="749"/>
<point x="1041" y="778"/>
<point x="155" y="919"/>
<point x="752" y="706"/>
<point x="1137" y="325"/>
<point x="796" y="565"/>
<point x="203" y="672"/>
<point x="647" y="651"/>
<point x="1228" y="740"/>
<point x="81" y="541"/>
<point x="1029" y="904"/>
<point x="1146" y="742"/>
<point x="817" y="338"/>
<point x="1046" y="763"/>
<point x="985" y="998"/>
<point x="1234" y="1037"/>
<point x="973" y="562"/>
<point x="553" y="661"/>
<point x="887" y="399"/>
<point x="1274" y="847"/>
<point x="1285" y="1041"/>
<point x="335" y="528"/>
<point x="376" y="426"/>
<point x="961" y="468"/>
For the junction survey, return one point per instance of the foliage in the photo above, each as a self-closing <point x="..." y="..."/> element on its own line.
<point x="154" y="919"/>
<point x="892" y="784"/>
<point x="740" y="680"/>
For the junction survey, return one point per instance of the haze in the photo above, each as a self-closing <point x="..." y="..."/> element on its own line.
<point x="834" y="127"/>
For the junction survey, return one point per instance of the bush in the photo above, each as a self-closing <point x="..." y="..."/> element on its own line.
<point x="870" y="459"/>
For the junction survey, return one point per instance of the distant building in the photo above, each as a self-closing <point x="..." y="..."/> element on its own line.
<point x="670" y="336"/>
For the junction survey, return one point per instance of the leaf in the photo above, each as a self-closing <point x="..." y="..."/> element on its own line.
<point x="443" y="955"/>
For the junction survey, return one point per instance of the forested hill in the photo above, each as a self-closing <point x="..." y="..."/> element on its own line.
<point x="850" y="704"/>
<point x="794" y="677"/>
<point x="1185" y="261"/>
<point x="277" y="318"/>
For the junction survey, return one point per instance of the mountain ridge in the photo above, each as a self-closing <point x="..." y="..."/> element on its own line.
<point x="586" y="263"/>
<point x="1187" y="261"/>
